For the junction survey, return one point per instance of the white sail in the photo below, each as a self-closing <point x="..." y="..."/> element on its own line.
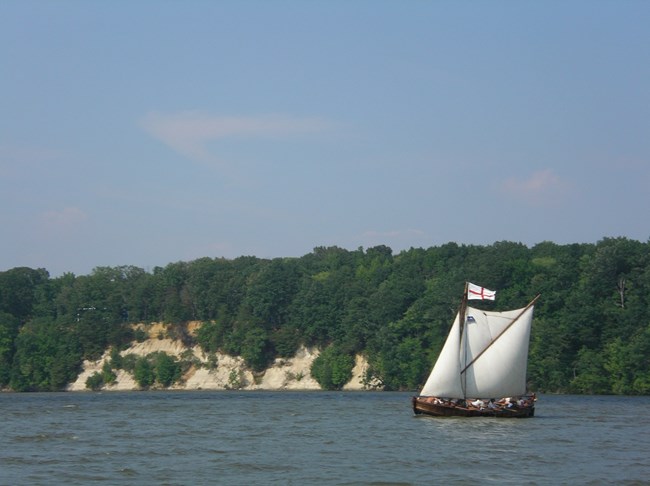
<point x="444" y="380"/>
<point x="494" y="345"/>
<point x="497" y="353"/>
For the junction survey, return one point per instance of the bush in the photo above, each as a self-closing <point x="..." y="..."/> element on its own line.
<point x="143" y="372"/>
<point x="128" y="362"/>
<point x="108" y="375"/>
<point x="95" y="381"/>
<point x="255" y="349"/>
<point x="210" y="336"/>
<point x="235" y="380"/>
<point x="140" y="335"/>
<point x="116" y="359"/>
<point x="213" y="362"/>
<point x="332" y="369"/>
<point x="166" y="369"/>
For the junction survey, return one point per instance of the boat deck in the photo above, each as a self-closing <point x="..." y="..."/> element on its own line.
<point x="438" y="407"/>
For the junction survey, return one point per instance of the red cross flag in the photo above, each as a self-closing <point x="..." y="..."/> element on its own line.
<point x="474" y="292"/>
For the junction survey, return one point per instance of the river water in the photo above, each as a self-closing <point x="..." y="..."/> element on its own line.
<point x="297" y="438"/>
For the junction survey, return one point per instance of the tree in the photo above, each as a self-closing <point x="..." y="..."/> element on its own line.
<point x="18" y="288"/>
<point x="332" y="369"/>
<point x="8" y="332"/>
<point x="590" y="376"/>
<point x="590" y="333"/>
<point x="95" y="381"/>
<point x="271" y="290"/>
<point x="143" y="373"/>
<point x="47" y="356"/>
<point x="211" y="336"/>
<point x="166" y="368"/>
<point x="255" y="349"/>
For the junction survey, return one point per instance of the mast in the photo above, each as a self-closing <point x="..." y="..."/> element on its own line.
<point x="461" y="320"/>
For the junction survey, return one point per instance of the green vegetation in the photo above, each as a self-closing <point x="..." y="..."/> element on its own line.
<point x="332" y="368"/>
<point x="591" y="332"/>
<point x="147" y="370"/>
<point x="235" y="381"/>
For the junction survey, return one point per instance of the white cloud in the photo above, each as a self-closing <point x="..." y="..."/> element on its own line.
<point x="541" y="188"/>
<point x="189" y="132"/>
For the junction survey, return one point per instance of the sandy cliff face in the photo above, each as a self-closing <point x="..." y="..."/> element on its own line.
<point x="284" y="374"/>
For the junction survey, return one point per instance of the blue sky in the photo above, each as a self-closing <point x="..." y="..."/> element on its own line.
<point x="145" y="132"/>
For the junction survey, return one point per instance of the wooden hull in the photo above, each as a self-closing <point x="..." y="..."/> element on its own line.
<point x="436" y="408"/>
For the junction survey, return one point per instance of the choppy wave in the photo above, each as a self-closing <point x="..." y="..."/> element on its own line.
<point x="312" y="438"/>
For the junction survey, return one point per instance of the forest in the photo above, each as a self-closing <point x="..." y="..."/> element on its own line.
<point x="591" y="332"/>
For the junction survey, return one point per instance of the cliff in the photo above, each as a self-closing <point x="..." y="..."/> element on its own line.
<point x="216" y="372"/>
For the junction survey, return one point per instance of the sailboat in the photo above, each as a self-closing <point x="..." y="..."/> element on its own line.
<point x="481" y="369"/>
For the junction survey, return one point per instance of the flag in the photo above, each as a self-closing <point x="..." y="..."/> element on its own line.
<point x="474" y="292"/>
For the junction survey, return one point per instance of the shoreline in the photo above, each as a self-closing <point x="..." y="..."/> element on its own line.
<point x="217" y="371"/>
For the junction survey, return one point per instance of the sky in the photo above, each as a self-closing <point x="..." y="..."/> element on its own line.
<point x="150" y="132"/>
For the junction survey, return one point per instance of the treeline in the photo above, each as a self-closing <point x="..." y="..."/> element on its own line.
<point x="591" y="332"/>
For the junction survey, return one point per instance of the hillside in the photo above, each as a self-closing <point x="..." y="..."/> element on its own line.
<point x="591" y="331"/>
<point x="230" y="371"/>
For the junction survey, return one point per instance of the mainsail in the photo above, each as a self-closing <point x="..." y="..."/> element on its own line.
<point x="485" y="357"/>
